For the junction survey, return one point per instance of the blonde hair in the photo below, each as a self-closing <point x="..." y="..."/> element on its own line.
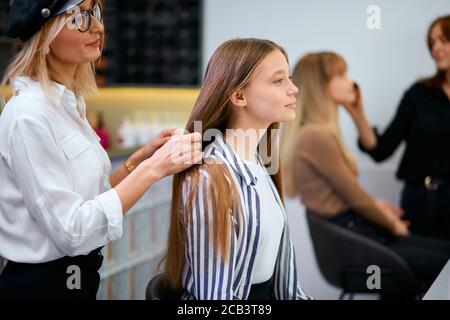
<point x="312" y="75"/>
<point x="31" y="61"/>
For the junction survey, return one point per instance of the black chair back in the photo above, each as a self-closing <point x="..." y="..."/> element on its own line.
<point x="159" y="289"/>
<point x="343" y="257"/>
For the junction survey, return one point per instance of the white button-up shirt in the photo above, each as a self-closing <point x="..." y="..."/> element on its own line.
<point x="55" y="195"/>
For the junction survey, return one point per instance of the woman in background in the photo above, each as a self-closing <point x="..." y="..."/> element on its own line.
<point x="422" y="122"/>
<point x="324" y="173"/>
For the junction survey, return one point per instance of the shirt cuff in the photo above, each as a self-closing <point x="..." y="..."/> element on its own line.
<point x="112" y="208"/>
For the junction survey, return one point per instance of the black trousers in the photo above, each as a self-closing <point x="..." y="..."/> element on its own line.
<point x="426" y="256"/>
<point x="428" y="211"/>
<point x="53" y="280"/>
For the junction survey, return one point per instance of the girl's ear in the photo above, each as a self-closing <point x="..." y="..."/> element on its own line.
<point x="238" y="99"/>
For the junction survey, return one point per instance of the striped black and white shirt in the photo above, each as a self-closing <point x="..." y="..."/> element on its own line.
<point x="206" y="276"/>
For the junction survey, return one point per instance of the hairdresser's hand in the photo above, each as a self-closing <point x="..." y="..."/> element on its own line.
<point x="389" y="207"/>
<point x="355" y="108"/>
<point x="177" y="154"/>
<point x="161" y="138"/>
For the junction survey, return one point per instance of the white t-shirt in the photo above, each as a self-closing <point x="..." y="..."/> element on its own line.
<point x="271" y="226"/>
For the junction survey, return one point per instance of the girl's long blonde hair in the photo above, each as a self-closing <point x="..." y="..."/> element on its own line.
<point x="32" y="61"/>
<point x="229" y="69"/>
<point x="312" y="75"/>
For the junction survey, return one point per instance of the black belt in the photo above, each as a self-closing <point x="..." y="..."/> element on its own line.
<point x="429" y="183"/>
<point x="92" y="261"/>
<point x="434" y="184"/>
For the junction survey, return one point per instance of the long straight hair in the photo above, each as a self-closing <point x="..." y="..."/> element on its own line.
<point x="312" y="75"/>
<point x="438" y="80"/>
<point x="32" y="61"/>
<point x="229" y="69"/>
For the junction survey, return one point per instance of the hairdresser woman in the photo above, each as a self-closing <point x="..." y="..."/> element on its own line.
<point x="58" y="205"/>
<point x="423" y="122"/>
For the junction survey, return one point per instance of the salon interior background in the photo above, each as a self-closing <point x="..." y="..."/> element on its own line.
<point x="385" y="62"/>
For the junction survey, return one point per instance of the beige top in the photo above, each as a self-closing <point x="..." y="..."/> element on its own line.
<point x="326" y="180"/>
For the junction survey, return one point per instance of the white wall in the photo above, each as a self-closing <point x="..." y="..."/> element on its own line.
<point x="384" y="62"/>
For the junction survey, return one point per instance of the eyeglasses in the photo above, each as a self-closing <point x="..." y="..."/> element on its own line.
<point x="82" y="20"/>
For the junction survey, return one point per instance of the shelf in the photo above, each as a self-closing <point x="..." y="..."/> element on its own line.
<point x="156" y="252"/>
<point x="156" y="42"/>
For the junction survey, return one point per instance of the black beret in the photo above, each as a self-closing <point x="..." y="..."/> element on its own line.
<point x="26" y="17"/>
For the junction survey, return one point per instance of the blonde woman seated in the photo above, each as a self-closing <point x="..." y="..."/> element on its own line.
<point x="324" y="173"/>
<point x="229" y="237"/>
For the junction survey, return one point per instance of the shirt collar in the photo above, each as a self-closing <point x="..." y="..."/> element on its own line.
<point x="222" y="150"/>
<point x="63" y="95"/>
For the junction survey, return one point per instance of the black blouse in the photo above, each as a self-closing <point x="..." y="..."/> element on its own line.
<point x="423" y="122"/>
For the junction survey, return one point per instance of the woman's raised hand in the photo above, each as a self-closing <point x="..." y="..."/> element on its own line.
<point x="356" y="108"/>
<point x="178" y="153"/>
